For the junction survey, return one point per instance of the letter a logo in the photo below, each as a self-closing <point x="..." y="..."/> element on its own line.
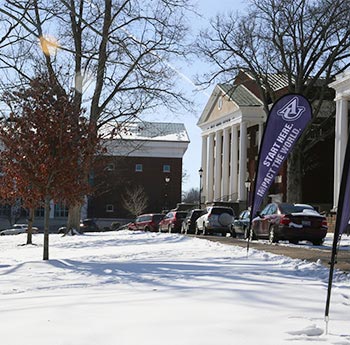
<point x="291" y="111"/>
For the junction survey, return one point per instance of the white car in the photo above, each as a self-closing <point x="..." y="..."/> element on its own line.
<point x="17" y="229"/>
<point x="216" y="219"/>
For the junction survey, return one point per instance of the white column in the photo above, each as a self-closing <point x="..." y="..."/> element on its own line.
<point x="341" y="137"/>
<point x="204" y="167"/>
<point x="260" y="133"/>
<point x="226" y="164"/>
<point x="242" y="161"/>
<point x="52" y="210"/>
<point x="234" y="164"/>
<point x="218" y="164"/>
<point x="84" y="208"/>
<point x="210" y="168"/>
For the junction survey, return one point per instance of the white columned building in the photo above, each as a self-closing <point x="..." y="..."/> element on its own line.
<point x="342" y="97"/>
<point x="232" y="117"/>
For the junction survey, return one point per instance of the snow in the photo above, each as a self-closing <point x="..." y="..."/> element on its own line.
<point x="131" y="288"/>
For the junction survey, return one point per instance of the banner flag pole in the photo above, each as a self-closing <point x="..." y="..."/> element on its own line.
<point x="342" y="221"/>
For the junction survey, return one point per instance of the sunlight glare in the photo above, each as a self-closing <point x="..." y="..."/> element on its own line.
<point x="48" y="44"/>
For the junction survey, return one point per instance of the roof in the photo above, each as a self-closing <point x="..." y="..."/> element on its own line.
<point x="240" y="95"/>
<point x="148" y="131"/>
<point x="277" y="81"/>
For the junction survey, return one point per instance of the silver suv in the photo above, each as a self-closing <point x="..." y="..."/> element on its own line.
<point x="216" y="219"/>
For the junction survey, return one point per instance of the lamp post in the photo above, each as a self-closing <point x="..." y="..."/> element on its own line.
<point x="200" y="171"/>
<point x="167" y="180"/>
<point x="247" y="184"/>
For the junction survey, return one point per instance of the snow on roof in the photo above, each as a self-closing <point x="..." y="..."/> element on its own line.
<point x="149" y="131"/>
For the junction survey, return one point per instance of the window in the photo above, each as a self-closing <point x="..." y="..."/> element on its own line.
<point x="138" y="168"/>
<point x="220" y="101"/>
<point x="61" y="210"/>
<point x="109" y="208"/>
<point x="39" y="212"/>
<point x="166" y="168"/>
<point x="110" y="167"/>
<point x="278" y="179"/>
<point x="5" y="210"/>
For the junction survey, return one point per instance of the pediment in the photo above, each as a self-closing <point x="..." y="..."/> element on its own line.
<point x="218" y="106"/>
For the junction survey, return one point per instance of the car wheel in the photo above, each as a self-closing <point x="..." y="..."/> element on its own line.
<point x="233" y="232"/>
<point x="252" y="235"/>
<point x="196" y="232"/>
<point x="147" y="228"/>
<point x="317" y="242"/>
<point x="293" y="241"/>
<point x="272" y="236"/>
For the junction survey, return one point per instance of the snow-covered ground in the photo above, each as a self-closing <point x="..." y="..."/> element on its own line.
<point x="135" y="288"/>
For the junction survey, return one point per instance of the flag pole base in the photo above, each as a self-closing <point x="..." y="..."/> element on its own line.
<point x="326" y="319"/>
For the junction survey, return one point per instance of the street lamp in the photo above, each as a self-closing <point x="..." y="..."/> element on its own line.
<point x="167" y="180"/>
<point x="200" y="171"/>
<point x="247" y="184"/>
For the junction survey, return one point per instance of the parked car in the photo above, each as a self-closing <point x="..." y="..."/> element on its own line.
<point x="88" y="225"/>
<point x="146" y="222"/>
<point x="17" y="229"/>
<point x="291" y="222"/>
<point x="172" y="221"/>
<point x="240" y="225"/>
<point x="216" y="219"/>
<point x="188" y="225"/>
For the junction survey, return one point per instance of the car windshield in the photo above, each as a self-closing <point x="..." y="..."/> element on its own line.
<point x="288" y="208"/>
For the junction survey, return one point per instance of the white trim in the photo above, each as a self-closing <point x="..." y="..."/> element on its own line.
<point x="146" y="149"/>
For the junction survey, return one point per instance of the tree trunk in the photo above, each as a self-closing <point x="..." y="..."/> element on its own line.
<point x="46" y="228"/>
<point x="294" y="175"/>
<point x="30" y="226"/>
<point x="73" y="221"/>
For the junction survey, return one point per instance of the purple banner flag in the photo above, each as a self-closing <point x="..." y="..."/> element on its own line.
<point x="286" y="122"/>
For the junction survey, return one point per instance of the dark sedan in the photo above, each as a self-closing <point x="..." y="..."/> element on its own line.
<point x="291" y="222"/>
<point x="241" y="224"/>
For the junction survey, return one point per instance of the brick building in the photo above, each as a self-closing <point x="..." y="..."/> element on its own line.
<point x="147" y="155"/>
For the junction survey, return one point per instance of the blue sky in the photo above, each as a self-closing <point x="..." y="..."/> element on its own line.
<point x="192" y="158"/>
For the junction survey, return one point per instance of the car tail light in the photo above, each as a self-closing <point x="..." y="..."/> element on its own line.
<point x="285" y="220"/>
<point x="324" y="223"/>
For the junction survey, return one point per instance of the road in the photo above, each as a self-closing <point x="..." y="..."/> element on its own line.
<point x="294" y="252"/>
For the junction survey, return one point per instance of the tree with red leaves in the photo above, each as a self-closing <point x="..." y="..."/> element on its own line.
<point x="48" y="148"/>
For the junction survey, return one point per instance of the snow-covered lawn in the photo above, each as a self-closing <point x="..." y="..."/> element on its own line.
<point x="135" y="288"/>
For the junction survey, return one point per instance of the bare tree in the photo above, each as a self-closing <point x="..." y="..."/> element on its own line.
<point x="135" y="200"/>
<point x="191" y="196"/>
<point x="305" y="41"/>
<point x="115" y="53"/>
